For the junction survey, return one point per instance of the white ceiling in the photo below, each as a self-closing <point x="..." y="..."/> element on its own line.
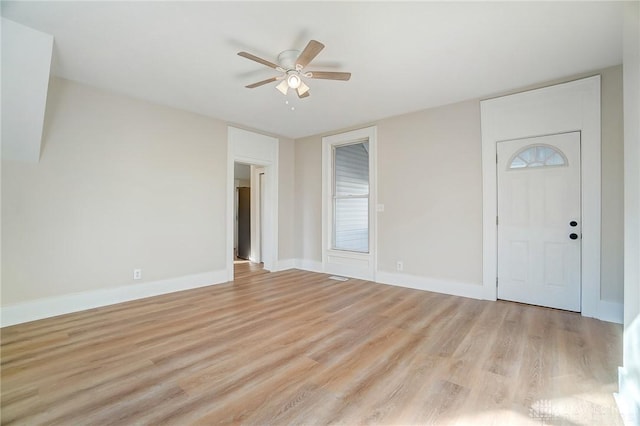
<point x="403" y="56"/>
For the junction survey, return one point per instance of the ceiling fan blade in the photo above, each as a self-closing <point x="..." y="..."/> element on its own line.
<point x="258" y="60"/>
<point x="260" y="83"/>
<point x="311" y="51"/>
<point x="304" y="95"/>
<point x="330" y="75"/>
<point x="302" y="89"/>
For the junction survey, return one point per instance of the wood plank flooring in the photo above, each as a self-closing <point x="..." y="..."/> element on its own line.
<point x="297" y="348"/>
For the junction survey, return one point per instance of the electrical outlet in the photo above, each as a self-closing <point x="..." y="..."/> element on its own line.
<point x="399" y="266"/>
<point x="137" y="274"/>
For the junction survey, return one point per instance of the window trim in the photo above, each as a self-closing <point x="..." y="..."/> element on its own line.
<point x="342" y="262"/>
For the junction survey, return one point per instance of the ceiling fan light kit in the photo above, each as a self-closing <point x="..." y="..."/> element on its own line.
<point x="283" y="87"/>
<point x="302" y="89"/>
<point x="291" y="63"/>
<point x="293" y="80"/>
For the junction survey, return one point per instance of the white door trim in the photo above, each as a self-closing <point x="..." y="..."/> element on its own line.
<point x="260" y="150"/>
<point x="256" y="213"/>
<point x="357" y="265"/>
<point x="573" y="106"/>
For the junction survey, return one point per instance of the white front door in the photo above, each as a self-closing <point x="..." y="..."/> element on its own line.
<point x="539" y="220"/>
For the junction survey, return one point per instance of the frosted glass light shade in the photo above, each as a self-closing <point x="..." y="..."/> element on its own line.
<point x="293" y="81"/>
<point x="283" y="87"/>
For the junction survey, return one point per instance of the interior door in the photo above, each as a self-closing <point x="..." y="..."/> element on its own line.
<point x="244" y="222"/>
<point x="539" y="221"/>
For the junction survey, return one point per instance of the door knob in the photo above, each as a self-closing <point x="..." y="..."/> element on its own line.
<point x="573" y="223"/>
<point x="573" y="236"/>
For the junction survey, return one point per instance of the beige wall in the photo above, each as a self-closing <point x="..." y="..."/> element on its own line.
<point x="121" y="184"/>
<point x="126" y="184"/>
<point x="612" y="252"/>
<point x="430" y="181"/>
<point x="435" y="229"/>
<point x="286" y="185"/>
<point x="308" y="198"/>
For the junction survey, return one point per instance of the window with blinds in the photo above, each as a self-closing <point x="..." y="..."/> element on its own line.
<point x="351" y="197"/>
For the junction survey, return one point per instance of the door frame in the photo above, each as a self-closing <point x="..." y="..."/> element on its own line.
<point x="259" y="150"/>
<point x="567" y="107"/>
<point x="257" y="219"/>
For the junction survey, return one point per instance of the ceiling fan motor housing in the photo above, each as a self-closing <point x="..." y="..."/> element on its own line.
<point x="287" y="59"/>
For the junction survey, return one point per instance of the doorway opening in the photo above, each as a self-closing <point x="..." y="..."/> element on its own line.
<point x="249" y="186"/>
<point x="260" y="153"/>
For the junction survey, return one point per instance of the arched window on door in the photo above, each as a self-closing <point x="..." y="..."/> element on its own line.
<point x="537" y="156"/>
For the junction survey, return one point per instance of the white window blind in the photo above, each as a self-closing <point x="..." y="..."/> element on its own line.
<point x="351" y="197"/>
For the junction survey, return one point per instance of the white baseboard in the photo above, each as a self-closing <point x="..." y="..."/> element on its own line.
<point x="610" y="311"/>
<point x="309" y="265"/>
<point x="59" y="305"/>
<point x="285" y="264"/>
<point x="628" y="398"/>
<point x="455" y="288"/>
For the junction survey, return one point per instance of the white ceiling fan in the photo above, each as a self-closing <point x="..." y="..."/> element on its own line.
<point x="291" y="65"/>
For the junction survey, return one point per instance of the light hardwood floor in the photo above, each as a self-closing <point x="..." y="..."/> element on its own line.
<point x="297" y="348"/>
